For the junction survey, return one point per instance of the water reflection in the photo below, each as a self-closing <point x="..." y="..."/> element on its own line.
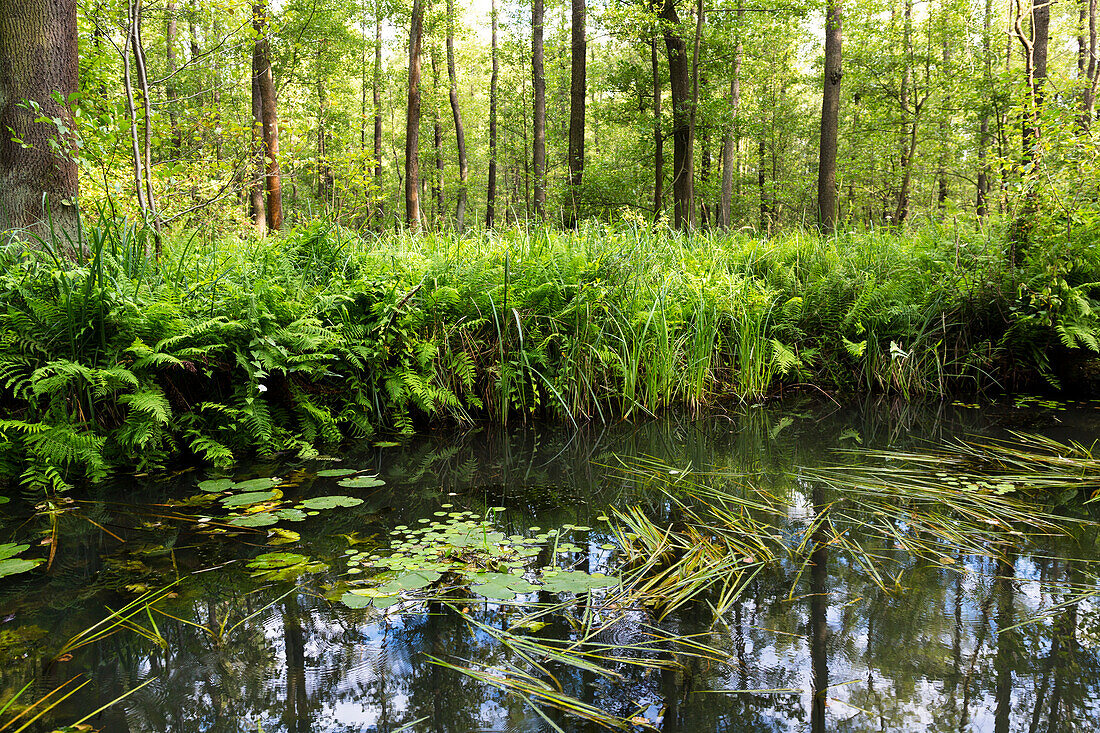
<point x="814" y="643"/>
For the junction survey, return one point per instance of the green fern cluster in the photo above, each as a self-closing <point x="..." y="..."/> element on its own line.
<point x="228" y="347"/>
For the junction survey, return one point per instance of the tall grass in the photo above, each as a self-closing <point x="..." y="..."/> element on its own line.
<point x="230" y="345"/>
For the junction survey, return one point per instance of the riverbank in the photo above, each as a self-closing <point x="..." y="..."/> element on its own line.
<point x="226" y="347"/>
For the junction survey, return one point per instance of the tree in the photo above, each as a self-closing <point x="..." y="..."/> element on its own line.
<point x="578" y="91"/>
<point x="830" y="116"/>
<point x="38" y="78"/>
<point x="261" y="60"/>
<point x="460" y="131"/>
<point x="491" y="193"/>
<point x="730" y="133"/>
<point x="682" y="134"/>
<point x="538" y="83"/>
<point x="412" y="119"/>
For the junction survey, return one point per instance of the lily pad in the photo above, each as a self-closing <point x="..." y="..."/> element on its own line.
<point x="330" y="502"/>
<point x="362" y="482"/>
<point x="251" y="497"/>
<point x="291" y="515"/>
<point x="262" y="519"/>
<point x="271" y="560"/>
<point x="355" y="600"/>
<point x="337" y="472"/>
<point x="500" y="586"/>
<point x="216" y="485"/>
<point x="11" y="565"/>
<point x="409" y="581"/>
<point x="575" y="581"/>
<point x="257" y="484"/>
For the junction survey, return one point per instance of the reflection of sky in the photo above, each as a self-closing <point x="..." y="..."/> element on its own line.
<point x="890" y="655"/>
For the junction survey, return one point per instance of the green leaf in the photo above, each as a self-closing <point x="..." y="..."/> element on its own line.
<point x="216" y="485"/>
<point x="14" y="565"/>
<point x="256" y="484"/>
<point x="263" y="519"/>
<point x="252" y="497"/>
<point x="271" y="560"/>
<point x="355" y="600"/>
<point x="337" y="472"/>
<point x="362" y="482"/>
<point x="291" y="515"/>
<point x="575" y="581"/>
<point x="11" y="550"/>
<point x="330" y="502"/>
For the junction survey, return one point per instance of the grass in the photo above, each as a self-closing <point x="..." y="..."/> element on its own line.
<point x="224" y="347"/>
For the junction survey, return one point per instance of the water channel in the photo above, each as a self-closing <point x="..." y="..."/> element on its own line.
<point x="965" y="641"/>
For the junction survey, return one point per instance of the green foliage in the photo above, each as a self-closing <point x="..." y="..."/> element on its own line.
<point x="230" y="347"/>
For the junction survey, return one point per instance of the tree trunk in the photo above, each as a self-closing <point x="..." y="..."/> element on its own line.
<point x="578" y="91"/>
<point x="38" y="57"/>
<point x="256" y="184"/>
<point x="437" y="144"/>
<point x="830" y="116"/>
<point x="491" y="194"/>
<point x="682" y="154"/>
<point x="460" y="131"/>
<point x="658" y="138"/>
<point x="170" y="82"/>
<point x="982" y="204"/>
<point x="324" y="170"/>
<point x="941" y="173"/>
<point x="412" y="120"/>
<point x="538" y="82"/>
<point x="138" y="46"/>
<point x="376" y="91"/>
<point x="273" y="178"/>
<point x="761" y="181"/>
<point x="730" y="135"/>
<point x="1090" y="70"/>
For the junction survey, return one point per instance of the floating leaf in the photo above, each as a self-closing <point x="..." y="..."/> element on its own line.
<point x="283" y="536"/>
<point x="262" y="519"/>
<point x="216" y="485"/>
<point x="277" y="560"/>
<point x="10" y="565"/>
<point x="410" y="581"/>
<point x="330" y="502"/>
<point x="575" y="581"/>
<point x="291" y="515"/>
<point x="385" y="444"/>
<point x="362" y="482"/>
<point x="337" y="472"/>
<point x="251" y="497"/>
<point x="500" y="586"/>
<point x="257" y="484"/>
<point x="355" y="600"/>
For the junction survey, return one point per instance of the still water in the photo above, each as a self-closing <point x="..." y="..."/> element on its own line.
<point x="813" y="643"/>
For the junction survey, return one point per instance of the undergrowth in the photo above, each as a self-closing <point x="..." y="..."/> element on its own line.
<point x="225" y="347"/>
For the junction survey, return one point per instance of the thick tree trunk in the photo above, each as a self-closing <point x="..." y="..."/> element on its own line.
<point x="830" y="116"/>
<point x="38" y="57"/>
<point x="1088" y="66"/>
<point x="460" y="131"/>
<point x="273" y="178"/>
<point x="257" y="177"/>
<point x="578" y="91"/>
<point x="412" y="120"/>
<point x="538" y="82"/>
<point x="682" y="154"/>
<point x="491" y="194"/>
<point x="730" y="135"/>
<point x="658" y="138"/>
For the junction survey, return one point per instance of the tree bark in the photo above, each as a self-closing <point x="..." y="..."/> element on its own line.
<point x="491" y="194"/>
<point x="830" y="116"/>
<point x="437" y="145"/>
<point x="730" y="134"/>
<point x="658" y="138"/>
<point x="538" y="82"/>
<point x="170" y="64"/>
<point x="1088" y="66"/>
<point x="982" y="205"/>
<point x="578" y="91"/>
<point x="324" y="170"/>
<point x="682" y="154"/>
<point x="412" y="120"/>
<point x="272" y="178"/>
<point x="256" y="184"/>
<point x="38" y="176"/>
<point x="460" y="131"/>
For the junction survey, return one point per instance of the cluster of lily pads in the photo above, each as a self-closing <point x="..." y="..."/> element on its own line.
<point x="258" y="502"/>
<point x="10" y="564"/>
<point x="461" y="549"/>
